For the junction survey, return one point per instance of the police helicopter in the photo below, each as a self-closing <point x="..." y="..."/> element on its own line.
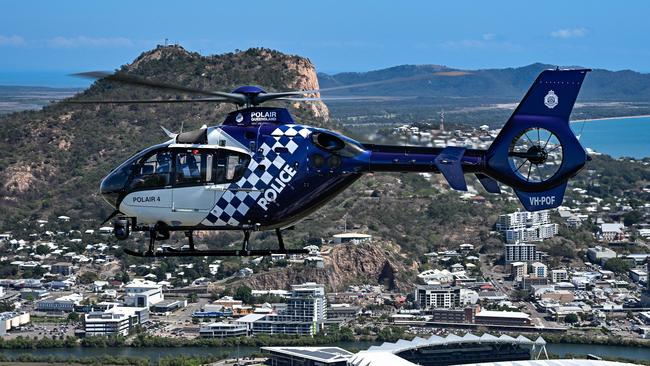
<point x="260" y="170"/>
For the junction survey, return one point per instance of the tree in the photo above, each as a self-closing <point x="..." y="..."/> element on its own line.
<point x="244" y="293"/>
<point x="42" y="249"/>
<point x="571" y="318"/>
<point x="73" y="317"/>
<point x="88" y="277"/>
<point x="617" y="265"/>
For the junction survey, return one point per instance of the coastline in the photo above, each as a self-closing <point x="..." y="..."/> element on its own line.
<point x="609" y="118"/>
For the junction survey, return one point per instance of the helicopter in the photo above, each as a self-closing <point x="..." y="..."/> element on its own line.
<point x="260" y="170"/>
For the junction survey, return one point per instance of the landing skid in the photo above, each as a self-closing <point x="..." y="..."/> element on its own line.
<point x="191" y="251"/>
<point x="213" y="253"/>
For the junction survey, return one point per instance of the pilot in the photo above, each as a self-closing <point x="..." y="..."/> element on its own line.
<point x="163" y="167"/>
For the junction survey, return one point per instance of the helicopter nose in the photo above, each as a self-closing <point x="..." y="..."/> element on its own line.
<point x="112" y="187"/>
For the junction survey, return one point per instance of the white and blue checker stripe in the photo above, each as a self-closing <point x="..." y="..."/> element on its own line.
<point x="237" y="200"/>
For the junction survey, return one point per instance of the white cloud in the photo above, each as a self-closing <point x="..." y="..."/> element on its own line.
<point x="83" y="41"/>
<point x="569" y="33"/>
<point x="11" y="40"/>
<point x="488" y="36"/>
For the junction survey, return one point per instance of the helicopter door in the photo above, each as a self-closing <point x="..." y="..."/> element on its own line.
<point x="193" y="183"/>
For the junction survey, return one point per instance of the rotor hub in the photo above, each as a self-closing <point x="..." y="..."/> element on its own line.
<point x="537" y="154"/>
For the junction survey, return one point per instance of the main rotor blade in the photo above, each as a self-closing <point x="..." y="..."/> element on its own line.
<point x="135" y="80"/>
<point x="147" y="101"/>
<point x="261" y="98"/>
<point x="387" y="81"/>
<point x="344" y="98"/>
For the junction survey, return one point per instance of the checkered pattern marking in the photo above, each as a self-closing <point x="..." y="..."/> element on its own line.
<point x="237" y="200"/>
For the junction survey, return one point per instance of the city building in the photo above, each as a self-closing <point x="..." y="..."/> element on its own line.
<point x="523" y="226"/>
<point x="520" y="252"/>
<point x="142" y="293"/>
<point x="62" y="268"/>
<point x="638" y="275"/>
<point x="600" y="255"/>
<point x="342" y="311"/>
<point x="11" y="320"/>
<point x="518" y="270"/>
<point x="305" y="313"/>
<point x="223" y="330"/>
<point x="116" y="320"/>
<point x="502" y="318"/>
<point x="166" y="307"/>
<point x="61" y="304"/>
<point x="443" y="297"/>
<point x="559" y="275"/>
<point x="458" y="315"/>
<point x="539" y="270"/>
<point x="609" y="232"/>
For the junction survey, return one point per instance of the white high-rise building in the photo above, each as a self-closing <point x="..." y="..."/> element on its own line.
<point x="305" y="313"/>
<point x="523" y="226"/>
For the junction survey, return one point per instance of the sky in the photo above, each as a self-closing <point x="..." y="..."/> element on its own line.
<point x="43" y="41"/>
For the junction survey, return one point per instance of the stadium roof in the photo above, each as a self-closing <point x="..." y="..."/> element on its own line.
<point x="560" y="362"/>
<point x="434" y="340"/>
<point x="324" y="355"/>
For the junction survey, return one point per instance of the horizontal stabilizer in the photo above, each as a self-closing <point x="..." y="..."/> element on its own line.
<point x="448" y="162"/>
<point x="536" y="201"/>
<point x="488" y="183"/>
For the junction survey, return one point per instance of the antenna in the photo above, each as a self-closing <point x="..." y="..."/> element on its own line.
<point x="166" y="40"/>
<point x="442" y="121"/>
<point x="182" y="123"/>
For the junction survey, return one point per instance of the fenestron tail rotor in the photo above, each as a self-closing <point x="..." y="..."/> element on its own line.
<point x="535" y="155"/>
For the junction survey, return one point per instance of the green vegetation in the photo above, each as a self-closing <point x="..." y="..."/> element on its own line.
<point x="617" y="265"/>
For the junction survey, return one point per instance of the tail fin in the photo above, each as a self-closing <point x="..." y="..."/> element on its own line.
<point x="536" y="152"/>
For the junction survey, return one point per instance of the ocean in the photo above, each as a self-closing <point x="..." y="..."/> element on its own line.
<point x="617" y="137"/>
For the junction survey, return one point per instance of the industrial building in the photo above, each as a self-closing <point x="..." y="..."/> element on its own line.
<point x="65" y="303"/>
<point x="12" y="320"/>
<point x="142" y="293"/>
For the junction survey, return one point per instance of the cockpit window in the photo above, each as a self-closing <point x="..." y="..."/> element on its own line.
<point x="186" y="167"/>
<point x="193" y="167"/>
<point x="154" y="171"/>
<point x="230" y="166"/>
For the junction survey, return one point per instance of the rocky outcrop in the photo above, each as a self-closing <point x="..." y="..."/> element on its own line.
<point x="376" y="263"/>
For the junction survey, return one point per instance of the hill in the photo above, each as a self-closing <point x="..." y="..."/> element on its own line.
<point x="493" y="84"/>
<point x="51" y="161"/>
<point x="476" y="96"/>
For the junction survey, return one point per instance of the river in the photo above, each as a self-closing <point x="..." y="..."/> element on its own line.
<point x="628" y="136"/>
<point x="156" y="353"/>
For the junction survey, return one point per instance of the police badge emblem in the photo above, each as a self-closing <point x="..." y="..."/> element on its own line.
<point x="239" y="118"/>
<point x="551" y="100"/>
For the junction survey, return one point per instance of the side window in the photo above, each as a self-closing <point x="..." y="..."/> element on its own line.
<point x="230" y="166"/>
<point x="194" y="167"/>
<point x="154" y="171"/>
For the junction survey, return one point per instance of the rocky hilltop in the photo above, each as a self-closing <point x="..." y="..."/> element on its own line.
<point x="51" y="161"/>
<point x="344" y="265"/>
